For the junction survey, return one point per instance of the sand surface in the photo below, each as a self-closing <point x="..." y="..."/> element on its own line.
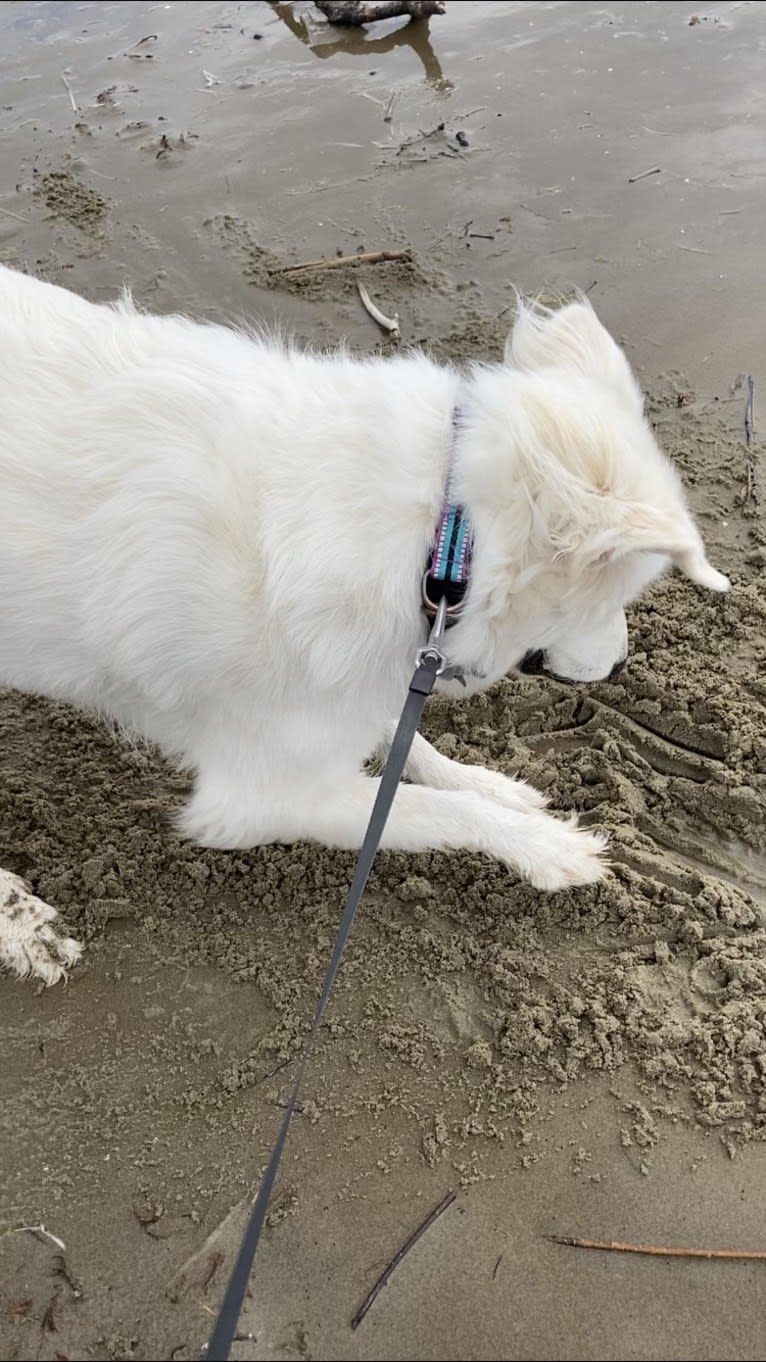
<point x="590" y="1063"/>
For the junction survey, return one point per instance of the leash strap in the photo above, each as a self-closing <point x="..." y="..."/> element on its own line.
<point x="430" y="663"/>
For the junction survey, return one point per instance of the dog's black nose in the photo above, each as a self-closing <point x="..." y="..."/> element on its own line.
<point x="617" y="668"/>
<point x="532" y="663"/>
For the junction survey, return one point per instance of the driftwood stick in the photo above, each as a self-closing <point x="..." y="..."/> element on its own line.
<point x="382" y="1281"/>
<point x="335" y="262"/>
<point x="357" y="12"/>
<point x="614" y="1246"/>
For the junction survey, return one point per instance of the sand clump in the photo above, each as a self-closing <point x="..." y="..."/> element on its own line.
<point x="67" y="196"/>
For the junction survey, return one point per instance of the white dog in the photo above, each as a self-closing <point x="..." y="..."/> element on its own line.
<point x="219" y="542"/>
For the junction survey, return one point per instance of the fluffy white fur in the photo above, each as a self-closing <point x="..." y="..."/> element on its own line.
<point x="218" y="542"/>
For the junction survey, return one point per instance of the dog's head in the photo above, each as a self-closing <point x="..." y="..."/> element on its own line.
<point x="578" y="507"/>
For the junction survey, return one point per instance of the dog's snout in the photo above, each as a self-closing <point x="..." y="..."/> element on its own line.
<point x="618" y="667"/>
<point x="533" y="663"/>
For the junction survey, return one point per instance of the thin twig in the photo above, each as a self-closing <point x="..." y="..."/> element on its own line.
<point x="48" y="1323"/>
<point x="333" y="184"/>
<point x="421" y="137"/>
<point x="72" y="99"/>
<point x="752" y="491"/>
<point x="337" y="261"/>
<point x="655" y="170"/>
<point x="656" y="1250"/>
<point x="389" y="324"/>
<point x="749" y="427"/>
<point x="697" y="250"/>
<point x="37" y="1231"/>
<point x="382" y="1281"/>
<point x="7" y="213"/>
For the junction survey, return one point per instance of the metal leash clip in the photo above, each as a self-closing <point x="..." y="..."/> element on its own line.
<point x="432" y="651"/>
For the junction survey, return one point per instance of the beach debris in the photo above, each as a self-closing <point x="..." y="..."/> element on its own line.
<point x="656" y="1250"/>
<point x="386" y="1274"/>
<point x="655" y="170"/>
<point x="335" y="262"/>
<point x="388" y="324"/>
<point x="357" y="12"/>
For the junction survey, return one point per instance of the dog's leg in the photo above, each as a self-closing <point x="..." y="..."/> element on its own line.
<point x="300" y="780"/>
<point x="550" y="853"/>
<point x="28" y="943"/>
<point x="426" y="766"/>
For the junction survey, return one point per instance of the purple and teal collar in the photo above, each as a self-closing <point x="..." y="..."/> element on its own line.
<point x="448" y="570"/>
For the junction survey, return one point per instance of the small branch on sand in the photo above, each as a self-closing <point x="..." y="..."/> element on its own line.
<point x="749" y="425"/>
<point x="72" y="99"/>
<point x="389" y="324"/>
<point x="39" y="1232"/>
<point x="382" y="1281"/>
<point x="389" y="109"/>
<point x="335" y="262"/>
<point x="656" y="1250"/>
<point x="421" y="137"/>
<point x="655" y="170"/>
<point x="356" y="12"/>
<point x="752" y="491"/>
<point x="7" y="213"/>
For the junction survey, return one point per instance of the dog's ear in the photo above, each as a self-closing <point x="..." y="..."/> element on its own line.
<point x="646" y="530"/>
<point x="571" y="337"/>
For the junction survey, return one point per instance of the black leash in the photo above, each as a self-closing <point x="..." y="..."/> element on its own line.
<point x="430" y="664"/>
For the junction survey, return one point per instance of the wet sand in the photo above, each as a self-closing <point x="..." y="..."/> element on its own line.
<point x="590" y="1063"/>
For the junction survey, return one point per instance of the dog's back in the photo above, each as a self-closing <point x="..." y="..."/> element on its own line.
<point x="176" y="498"/>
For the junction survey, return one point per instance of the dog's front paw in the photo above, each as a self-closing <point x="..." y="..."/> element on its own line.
<point x="566" y="855"/>
<point x="29" y="946"/>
